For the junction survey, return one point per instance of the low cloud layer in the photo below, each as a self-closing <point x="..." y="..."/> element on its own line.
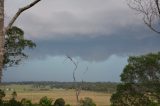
<point x="122" y="43"/>
<point x="90" y="29"/>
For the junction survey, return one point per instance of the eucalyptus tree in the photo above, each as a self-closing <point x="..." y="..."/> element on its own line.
<point x="140" y="82"/>
<point x="5" y="32"/>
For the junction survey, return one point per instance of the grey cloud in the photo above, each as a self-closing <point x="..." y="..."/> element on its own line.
<point x="68" y="24"/>
<point x="124" y="42"/>
<point x="90" y="29"/>
<point x="75" y="17"/>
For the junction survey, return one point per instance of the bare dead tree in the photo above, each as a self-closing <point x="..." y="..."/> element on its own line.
<point x="150" y="11"/>
<point x="77" y="89"/>
<point x="3" y="30"/>
<point x="78" y="86"/>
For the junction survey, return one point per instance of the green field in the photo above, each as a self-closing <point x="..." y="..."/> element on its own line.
<point x="27" y="91"/>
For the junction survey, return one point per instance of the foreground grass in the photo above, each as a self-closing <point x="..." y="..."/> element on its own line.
<point x="26" y="91"/>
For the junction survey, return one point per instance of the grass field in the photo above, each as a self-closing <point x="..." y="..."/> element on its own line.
<point x="26" y="91"/>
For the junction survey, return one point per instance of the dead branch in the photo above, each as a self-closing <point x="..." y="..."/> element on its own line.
<point x="19" y="12"/>
<point x="150" y="11"/>
<point x="76" y="66"/>
<point x="77" y="89"/>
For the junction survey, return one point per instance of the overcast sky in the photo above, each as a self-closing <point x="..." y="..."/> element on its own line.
<point x="100" y="34"/>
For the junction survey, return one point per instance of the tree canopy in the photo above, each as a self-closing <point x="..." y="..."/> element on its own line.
<point x="10" y="55"/>
<point x="140" y="82"/>
<point x="15" y="43"/>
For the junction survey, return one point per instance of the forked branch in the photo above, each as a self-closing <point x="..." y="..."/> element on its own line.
<point x="150" y="11"/>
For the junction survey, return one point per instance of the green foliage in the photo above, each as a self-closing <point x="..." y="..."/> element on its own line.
<point x="127" y="95"/>
<point x="59" y="102"/>
<point x="15" y="43"/>
<point x="13" y="102"/>
<point x="44" y="101"/>
<point x="26" y="102"/>
<point x="87" y="102"/>
<point x="142" y="69"/>
<point x="2" y="94"/>
<point x="14" y="95"/>
<point x="141" y="82"/>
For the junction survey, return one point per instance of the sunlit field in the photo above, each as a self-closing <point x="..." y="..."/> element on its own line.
<point x="26" y="91"/>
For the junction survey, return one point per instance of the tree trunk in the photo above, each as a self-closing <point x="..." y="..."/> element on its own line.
<point x="1" y="36"/>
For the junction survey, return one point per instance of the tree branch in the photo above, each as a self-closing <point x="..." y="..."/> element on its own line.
<point x="76" y="66"/>
<point x="157" y="4"/>
<point x="19" y="12"/>
<point x="150" y="11"/>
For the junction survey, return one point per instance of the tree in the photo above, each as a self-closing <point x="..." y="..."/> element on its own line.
<point x="77" y="86"/>
<point x="4" y="30"/>
<point x="15" y="43"/>
<point x="150" y="11"/>
<point x="1" y="35"/>
<point x="140" y="82"/>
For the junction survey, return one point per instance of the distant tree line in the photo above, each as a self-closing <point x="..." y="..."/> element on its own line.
<point x="108" y="87"/>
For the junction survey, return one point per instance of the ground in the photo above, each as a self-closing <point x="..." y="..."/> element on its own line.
<point x="26" y="91"/>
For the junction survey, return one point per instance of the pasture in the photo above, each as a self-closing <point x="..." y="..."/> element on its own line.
<point x="28" y="92"/>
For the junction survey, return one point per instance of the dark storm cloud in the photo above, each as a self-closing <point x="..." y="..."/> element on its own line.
<point x="90" y="29"/>
<point x="124" y="42"/>
<point x="50" y="18"/>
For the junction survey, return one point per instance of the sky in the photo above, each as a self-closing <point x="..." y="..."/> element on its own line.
<point x="99" y="35"/>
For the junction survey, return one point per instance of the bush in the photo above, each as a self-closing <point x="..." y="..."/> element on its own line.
<point x="14" y="95"/>
<point x="59" y="102"/>
<point x="44" y="101"/>
<point x="2" y="94"/>
<point x="26" y="102"/>
<point x="87" y="102"/>
<point x="13" y="102"/>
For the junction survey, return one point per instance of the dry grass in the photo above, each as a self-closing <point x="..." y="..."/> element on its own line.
<point x="101" y="99"/>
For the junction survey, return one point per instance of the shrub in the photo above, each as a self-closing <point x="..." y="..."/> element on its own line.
<point x="2" y="94"/>
<point x="26" y="102"/>
<point x="14" y="95"/>
<point x="59" y="102"/>
<point x="44" y="101"/>
<point x="13" y="102"/>
<point x="87" y="102"/>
